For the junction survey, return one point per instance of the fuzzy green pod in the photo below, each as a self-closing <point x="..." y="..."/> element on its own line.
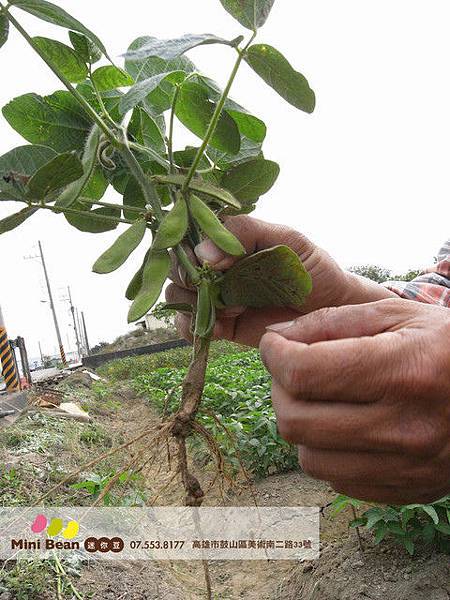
<point x="125" y="244"/>
<point x="156" y="271"/>
<point x="173" y="227"/>
<point x="205" y="316"/>
<point x="213" y="228"/>
<point x="136" y="283"/>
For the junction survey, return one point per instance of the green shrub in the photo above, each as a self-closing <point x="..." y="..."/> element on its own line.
<point x="408" y="525"/>
<point x="133" y="366"/>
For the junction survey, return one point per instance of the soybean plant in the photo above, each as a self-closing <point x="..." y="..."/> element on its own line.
<point x="114" y="127"/>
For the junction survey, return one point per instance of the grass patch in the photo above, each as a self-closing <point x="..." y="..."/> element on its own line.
<point x="134" y="366"/>
<point x="27" y="579"/>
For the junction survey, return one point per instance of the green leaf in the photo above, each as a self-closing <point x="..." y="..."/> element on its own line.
<point x="409" y="545"/>
<point x="249" y="126"/>
<point x="57" y="121"/>
<point x="63" y="58"/>
<point x="429" y="533"/>
<point x="431" y="512"/>
<point x="381" y="532"/>
<point x="213" y="228"/>
<point x="110" y="77"/>
<point x="195" y="110"/>
<point x="97" y="185"/>
<point x="357" y="522"/>
<point x="13" y="221"/>
<point x="155" y="273"/>
<point x="276" y="71"/>
<point x="252" y="14"/>
<point x="23" y="161"/>
<point x="172" y="48"/>
<point x="85" y="48"/>
<point x="56" y="174"/>
<point x="133" y="196"/>
<point x="443" y="528"/>
<point x="249" y="150"/>
<point x="143" y="88"/>
<point x="122" y="248"/>
<point x="248" y="181"/>
<point x="274" y="277"/>
<point x="160" y="99"/>
<point x="4" y="29"/>
<point x="136" y="283"/>
<point x="111" y="99"/>
<point x="200" y="186"/>
<point x="173" y="227"/>
<point x="46" y="11"/>
<point x="92" y="221"/>
<point x="89" y="160"/>
<point x="145" y="131"/>
<point x="373" y="516"/>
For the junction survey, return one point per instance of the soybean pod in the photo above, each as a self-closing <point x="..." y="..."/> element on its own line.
<point x="213" y="228"/>
<point x="206" y="314"/>
<point x="155" y="273"/>
<point x="136" y="283"/>
<point x="173" y="227"/>
<point x="118" y="253"/>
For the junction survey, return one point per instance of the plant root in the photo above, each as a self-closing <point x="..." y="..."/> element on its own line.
<point x="162" y="432"/>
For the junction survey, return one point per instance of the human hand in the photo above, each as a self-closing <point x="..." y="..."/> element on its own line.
<point x="364" y="392"/>
<point x="332" y="286"/>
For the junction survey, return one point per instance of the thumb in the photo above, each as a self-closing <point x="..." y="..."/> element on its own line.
<point x="343" y="322"/>
<point x="254" y="235"/>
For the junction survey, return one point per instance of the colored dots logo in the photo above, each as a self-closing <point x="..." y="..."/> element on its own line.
<point x="55" y="527"/>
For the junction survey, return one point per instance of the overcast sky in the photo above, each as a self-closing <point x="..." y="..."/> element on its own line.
<point x="366" y="176"/>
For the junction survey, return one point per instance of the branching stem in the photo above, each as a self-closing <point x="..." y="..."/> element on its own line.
<point x="75" y="93"/>
<point x="216" y="116"/>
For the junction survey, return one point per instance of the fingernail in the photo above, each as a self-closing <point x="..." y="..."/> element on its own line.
<point x="277" y="327"/>
<point x="207" y="251"/>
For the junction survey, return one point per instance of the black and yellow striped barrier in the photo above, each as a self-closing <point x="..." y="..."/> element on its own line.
<point x="9" y="368"/>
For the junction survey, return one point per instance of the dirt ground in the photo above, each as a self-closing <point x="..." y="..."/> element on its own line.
<point x="342" y="572"/>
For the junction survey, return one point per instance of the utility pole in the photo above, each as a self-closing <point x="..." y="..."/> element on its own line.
<point x="88" y="350"/>
<point x="80" y="329"/>
<point x="77" y="337"/>
<point x="42" y="356"/>
<point x="52" y="307"/>
<point x="9" y="367"/>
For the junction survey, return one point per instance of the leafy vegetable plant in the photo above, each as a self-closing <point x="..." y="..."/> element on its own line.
<point x="408" y="525"/>
<point x="114" y="126"/>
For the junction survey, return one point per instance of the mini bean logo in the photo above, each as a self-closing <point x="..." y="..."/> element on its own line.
<point x="55" y="527"/>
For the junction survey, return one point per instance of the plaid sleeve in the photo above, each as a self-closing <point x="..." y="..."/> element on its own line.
<point x="432" y="286"/>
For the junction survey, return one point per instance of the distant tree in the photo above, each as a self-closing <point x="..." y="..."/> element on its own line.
<point x="408" y="276"/>
<point x="380" y="274"/>
<point x="373" y="272"/>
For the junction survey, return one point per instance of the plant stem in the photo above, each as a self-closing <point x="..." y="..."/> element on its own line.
<point x="171" y="127"/>
<point x="358" y="533"/>
<point x="123" y="145"/>
<point x="134" y="209"/>
<point x="74" y="211"/>
<point x="154" y="155"/>
<point x="146" y="185"/>
<point x="100" y="101"/>
<point x="216" y="116"/>
<point x="75" y="93"/>
<point x="184" y="261"/>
